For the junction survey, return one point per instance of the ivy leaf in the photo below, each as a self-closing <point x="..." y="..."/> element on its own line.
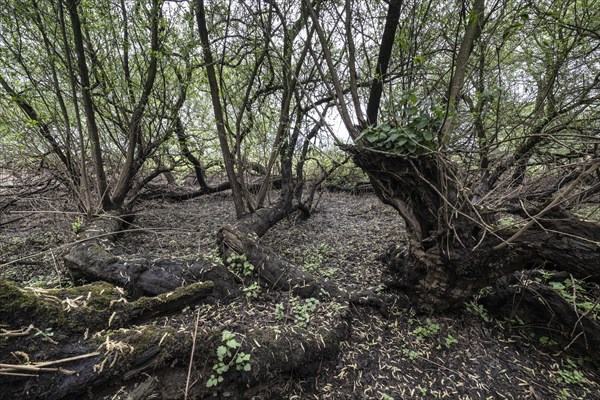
<point x="392" y="137"/>
<point x="372" y="138"/>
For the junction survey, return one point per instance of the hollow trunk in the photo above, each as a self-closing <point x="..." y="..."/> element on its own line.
<point x="454" y="248"/>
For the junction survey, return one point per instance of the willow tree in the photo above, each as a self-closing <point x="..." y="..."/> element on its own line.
<point x="258" y="88"/>
<point x="492" y="149"/>
<point x="100" y="95"/>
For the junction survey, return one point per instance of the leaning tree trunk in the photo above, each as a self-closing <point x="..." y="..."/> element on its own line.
<point x="455" y="250"/>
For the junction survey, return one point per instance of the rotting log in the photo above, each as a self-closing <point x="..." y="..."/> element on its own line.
<point x="243" y="238"/>
<point x="87" y="330"/>
<point x="276" y="272"/>
<point x="277" y="352"/>
<point x="89" y="343"/>
<point x="89" y="259"/>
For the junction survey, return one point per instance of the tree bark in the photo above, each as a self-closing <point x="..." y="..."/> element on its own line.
<point x="133" y="163"/>
<point x="88" y="106"/>
<point x="215" y="97"/>
<point x="454" y="251"/>
<point x="383" y="61"/>
<point x="89" y="259"/>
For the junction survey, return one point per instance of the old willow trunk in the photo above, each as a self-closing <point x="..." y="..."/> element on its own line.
<point x="455" y="248"/>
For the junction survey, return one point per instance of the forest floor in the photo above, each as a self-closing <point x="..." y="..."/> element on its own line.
<point x="464" y="355"/>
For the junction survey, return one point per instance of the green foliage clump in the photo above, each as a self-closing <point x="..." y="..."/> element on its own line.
<point x="228" y="355"/>
<point x="313" y="262"/>
<point x="252" y="291"/>
<point x="414" y="129"/>
<point x="239" y="263"/>
<point x="575" y="293"/>
<point x="478" y="310"/>
<point x="77" y="225"/>
<point x="428" y="330"/>
<point x="571" y="374"/>
<point x="300" y="310"/>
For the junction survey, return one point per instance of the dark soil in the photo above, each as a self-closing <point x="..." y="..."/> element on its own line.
<point x="467" y="355"/>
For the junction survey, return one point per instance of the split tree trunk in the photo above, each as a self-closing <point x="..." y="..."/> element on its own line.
<point x="455" y="250"/>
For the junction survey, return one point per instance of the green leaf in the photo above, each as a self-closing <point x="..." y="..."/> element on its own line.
<point x="221" y="351"/>
<point x="419" y="60"/>
<point x="232" y="344"/>
<point x="212" y="381"/>
<point x="247" y="367"/>
<point x="401" y="142"/>
<point x="392" y="137"/>
<point x="222" y="369"/>
<point x="372" y="138"/>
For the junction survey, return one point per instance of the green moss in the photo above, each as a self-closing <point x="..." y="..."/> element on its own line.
<point x="134" y="347"/>
<point x="19" y="308"/>
<point x="92" y="307"/>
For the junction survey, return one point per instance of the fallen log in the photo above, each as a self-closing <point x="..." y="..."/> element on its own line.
<point x="84" y="330"/>
<point x="543" y="308"/>
<point x="91" y="260"/>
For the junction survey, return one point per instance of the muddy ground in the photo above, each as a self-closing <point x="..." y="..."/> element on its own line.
<point x="465" y="355"/>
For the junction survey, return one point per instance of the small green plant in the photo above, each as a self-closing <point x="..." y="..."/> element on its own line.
<point x="45" y="333"/>
<point x="279" y="311"/>
<point x="77" y="225"/>
<point x="213" y="256"/>
<point x="252" y="291"/>
<point x="478" y="310"/>
<point x="240" y="264"/>
<point x="546" y="341"/>
<point x="228" y="355"/>
<point x="313" y="262"/>
<point x="565" y="394"/>
<point x="506" y="222"/>
<point x="428" y="330"/>
<point x="411" y="354"/>
<point x="575" y="293"/>
<point x="302" y="311"/>
<point x="546" y="275"/>
<point x="571" y="374"/>
<point x="449" y="341"/>
<point x="380" y="288"/>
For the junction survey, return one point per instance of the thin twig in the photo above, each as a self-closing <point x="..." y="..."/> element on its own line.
<point x="17" y="333"/>
<point x="189" y="376"/>
<point x="552" y="204"/>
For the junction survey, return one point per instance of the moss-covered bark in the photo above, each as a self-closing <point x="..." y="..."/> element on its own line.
<point x="93" y="320"/>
